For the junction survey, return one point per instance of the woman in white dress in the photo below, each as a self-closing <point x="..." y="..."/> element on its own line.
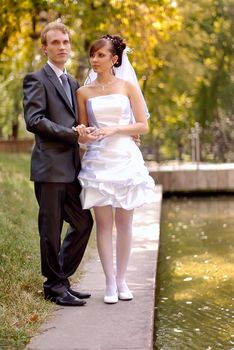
<point x="113" y="176"/>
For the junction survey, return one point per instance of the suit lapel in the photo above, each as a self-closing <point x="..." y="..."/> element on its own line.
<point x="55" y="81"/>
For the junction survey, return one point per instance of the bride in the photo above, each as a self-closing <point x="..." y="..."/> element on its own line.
<point x="114" y="178"/>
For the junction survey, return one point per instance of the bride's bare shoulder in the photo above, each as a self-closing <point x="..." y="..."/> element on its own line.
<point x="84" y="91"/>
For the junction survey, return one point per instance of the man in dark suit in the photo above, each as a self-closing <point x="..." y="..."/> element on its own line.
<point x="50" y="109"/>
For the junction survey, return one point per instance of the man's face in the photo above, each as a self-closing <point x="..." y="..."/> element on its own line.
<point x="57" y="47"/>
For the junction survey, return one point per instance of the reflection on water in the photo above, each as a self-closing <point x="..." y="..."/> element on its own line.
<point x="195" y="289"/>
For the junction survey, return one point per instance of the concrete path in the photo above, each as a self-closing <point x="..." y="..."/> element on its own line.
<point x="125" y="325"/>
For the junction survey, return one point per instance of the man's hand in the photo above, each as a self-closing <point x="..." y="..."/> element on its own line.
<point x="137" y="140"/>
<point x="86" y="134"/>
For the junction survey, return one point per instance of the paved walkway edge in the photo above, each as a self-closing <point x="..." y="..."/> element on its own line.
<point x="122" y="326"/>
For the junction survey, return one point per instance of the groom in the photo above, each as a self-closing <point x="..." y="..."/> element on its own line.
<point x="50" y="110"/>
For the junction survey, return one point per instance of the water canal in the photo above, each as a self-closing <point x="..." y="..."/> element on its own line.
<point x="195" y="276"/>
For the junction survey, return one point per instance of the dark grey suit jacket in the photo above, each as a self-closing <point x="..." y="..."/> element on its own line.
<point x="49" y="115"/>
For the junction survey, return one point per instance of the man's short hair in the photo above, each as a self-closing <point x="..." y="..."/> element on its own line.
<point x="54" y="26"/>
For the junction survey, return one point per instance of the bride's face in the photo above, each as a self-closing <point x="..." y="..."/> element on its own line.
<point x="102" y="60"/>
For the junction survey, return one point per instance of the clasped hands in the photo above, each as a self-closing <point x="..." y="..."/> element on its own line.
<point x="90" y="133"/>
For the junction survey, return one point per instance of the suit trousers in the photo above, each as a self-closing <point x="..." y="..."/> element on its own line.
<point x="59" y="202"/>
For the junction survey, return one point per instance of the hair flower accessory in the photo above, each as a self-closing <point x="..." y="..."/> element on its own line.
<point x="128" y="50"/>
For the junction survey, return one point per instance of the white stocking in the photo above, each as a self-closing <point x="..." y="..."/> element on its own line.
<point x="123" y="222"/>
<point x="104" y="223"/>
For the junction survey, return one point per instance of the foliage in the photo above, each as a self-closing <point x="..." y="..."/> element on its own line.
<point x="194" y="78"/>
<point x="182" y="53"/>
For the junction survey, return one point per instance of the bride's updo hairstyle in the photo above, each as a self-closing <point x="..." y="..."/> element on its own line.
<point x="116" y="47"/>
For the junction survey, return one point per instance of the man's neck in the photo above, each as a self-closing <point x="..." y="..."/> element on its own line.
<point x="58" y="70"/>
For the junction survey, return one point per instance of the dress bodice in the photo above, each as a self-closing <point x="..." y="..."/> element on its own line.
<point x="109" y="110"/>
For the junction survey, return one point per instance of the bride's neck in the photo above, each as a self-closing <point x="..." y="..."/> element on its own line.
<point x="105" y="78"/>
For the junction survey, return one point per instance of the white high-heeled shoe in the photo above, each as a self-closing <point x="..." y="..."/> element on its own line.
<point x="127" y="295"/>
<point x="111" y="299"/>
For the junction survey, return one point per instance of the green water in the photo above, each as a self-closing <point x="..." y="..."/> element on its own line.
<point x="195" y="277"/>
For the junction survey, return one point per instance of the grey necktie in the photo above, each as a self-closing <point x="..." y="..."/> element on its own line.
<point x="66" y="87"/>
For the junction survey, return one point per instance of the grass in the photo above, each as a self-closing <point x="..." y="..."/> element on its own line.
<point x="22" y="307"/>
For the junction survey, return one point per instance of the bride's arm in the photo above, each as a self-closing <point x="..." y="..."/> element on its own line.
<point x="83" y="128"/>
<point x="81" y="101"/>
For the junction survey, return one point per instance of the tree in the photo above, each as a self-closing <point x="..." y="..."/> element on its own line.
<point x="182" y="53"/>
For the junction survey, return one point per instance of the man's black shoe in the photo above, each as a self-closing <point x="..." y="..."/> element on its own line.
<point x="49" y="295"/>
<point x="54" y="292"/>
<point x="67" y="299"/>
<point x="80" y="295"/>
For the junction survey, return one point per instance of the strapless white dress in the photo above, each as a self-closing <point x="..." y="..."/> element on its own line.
<point x="112" y="170"/>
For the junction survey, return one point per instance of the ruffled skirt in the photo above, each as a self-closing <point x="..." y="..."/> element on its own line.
<point x="113" y="173"/>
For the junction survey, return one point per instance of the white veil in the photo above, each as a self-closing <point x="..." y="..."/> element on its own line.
<point x="125" y="72"/>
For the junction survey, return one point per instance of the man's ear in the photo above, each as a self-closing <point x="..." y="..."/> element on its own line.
<point x="44" y="49"/>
